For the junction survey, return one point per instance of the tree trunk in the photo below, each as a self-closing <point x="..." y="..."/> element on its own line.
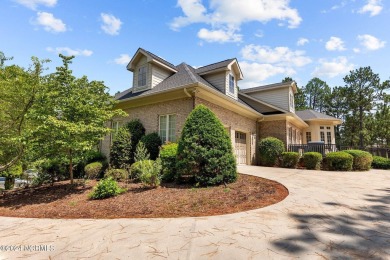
<point x="70" y="166"/>
<point x="361" y="128"/>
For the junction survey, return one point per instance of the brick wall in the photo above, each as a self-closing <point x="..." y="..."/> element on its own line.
<point x="273" y="128"/>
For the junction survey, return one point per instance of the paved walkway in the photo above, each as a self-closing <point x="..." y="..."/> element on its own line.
<point x="327" y="215"/>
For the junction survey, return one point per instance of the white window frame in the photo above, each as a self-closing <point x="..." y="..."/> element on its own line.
<point x="308" y="134"/>
<point x="166" y="138"/>
<point x="142" y="75"/>
<point x="232" y="83"/>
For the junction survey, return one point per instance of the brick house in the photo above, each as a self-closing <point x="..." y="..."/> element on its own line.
<point x="163" y="95"/>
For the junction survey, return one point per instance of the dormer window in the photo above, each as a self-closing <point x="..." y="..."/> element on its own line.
<point x="231" y="83"/>
<point x="142" y="73"/>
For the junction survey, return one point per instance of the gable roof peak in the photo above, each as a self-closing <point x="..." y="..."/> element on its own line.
<point x="151" y="58"/>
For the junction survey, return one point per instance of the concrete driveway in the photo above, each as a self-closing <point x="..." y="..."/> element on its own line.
<point x="327" y="215"/>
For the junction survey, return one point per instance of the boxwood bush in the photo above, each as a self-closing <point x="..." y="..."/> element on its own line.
<point x="290" y="159"/>
<point x="339" y="161"/>
<point x="380" y="163"/>
<point x="93" y="170"/>
<point x="361" y="160"/>
<point x="116" y="174"/>
<point x="312" y="160"/>
<point x="205" y="151"/>
<point x="270" y="150"/>
<point x="106" y="188"/>
<point x="168" y="161"/>
<point x="152" y="143"/>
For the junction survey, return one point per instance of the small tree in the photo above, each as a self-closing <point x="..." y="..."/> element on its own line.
<point x="137" y="131"/>
<point x="120" y="153"/>
<point x="152" y="142"/>
<point x="141" y="153"/>
<point x="205" y="151"/>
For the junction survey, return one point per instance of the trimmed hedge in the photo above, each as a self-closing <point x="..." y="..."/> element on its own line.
<point x="152" y="143"/>
<point x="339" y="161"/>
<point x="205" y="152"/>
<point x="290" y="159"/>
<point x="380" y="163"/>
<point x="93" y="170"/>
<point x="168" y="161"/>
<point x="270" y="149"/>
<point x="116" y="174"/>
<point x="361" y="160"/>
<point x="312" y="160"/>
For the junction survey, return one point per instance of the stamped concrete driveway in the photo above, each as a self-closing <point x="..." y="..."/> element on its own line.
<point x="327" y="215"/>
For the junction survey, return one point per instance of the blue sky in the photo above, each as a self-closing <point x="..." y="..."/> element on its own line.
<point x="271" y="39"/>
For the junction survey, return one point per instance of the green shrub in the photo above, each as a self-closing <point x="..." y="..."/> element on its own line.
<point x="137" y="131"/>
<point x="205" y="151"/>
<point x="93" y="170"/>
<point x="380" y="163"/>
<point x="106" y="188"/>
<point x="51" y="170"/>
<point x="290" y="159"/>
<point x="141" y="153"/>
<point x="136" y="170"/>
<point x="152" y="143"/>
<point x="10" y="174"/>
<point x="168" y="161"/>
<point x="116" y="174"/>
<point x="121" y="149"/>
<point x="361" y="160"/>
<point x="312" y="160"/>
<point x="270" y="150"/>
<point x="338" y="161"/>
<point x="150" y="173"/>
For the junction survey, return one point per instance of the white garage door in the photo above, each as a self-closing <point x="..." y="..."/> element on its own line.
<point x="240" y="147"/>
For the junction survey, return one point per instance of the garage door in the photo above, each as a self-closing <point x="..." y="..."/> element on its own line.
<point x="240" y="148"/>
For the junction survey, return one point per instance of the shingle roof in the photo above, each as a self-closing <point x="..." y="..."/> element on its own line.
<point x="159" y="59"/>
<point x="214" y="66"/>
<point x="311" y="114"/>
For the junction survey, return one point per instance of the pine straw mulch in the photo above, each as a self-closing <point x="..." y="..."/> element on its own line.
<point x="170" y="200"/>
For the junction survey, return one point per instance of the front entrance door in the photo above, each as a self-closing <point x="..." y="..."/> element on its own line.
<point x="240" y="147"/>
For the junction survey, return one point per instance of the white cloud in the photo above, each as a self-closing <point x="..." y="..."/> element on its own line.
<point x="278" y="55"/>
<point x="50" y="23"/>
<point x="374" y="7"/>
<point x="335" y="44"/>
<point x="111" y="25"/>
<point x="123" y="59"/>
<point x="356" y="50"/>
<point x="230" y="15"/>
<point x="220" y="36"/>
<point x="370" y="42"/>
<point x="302" y="41"/>
<point x="333" y="68"/>
<point x="70" y="52"/>
<point x="32" y="4"/>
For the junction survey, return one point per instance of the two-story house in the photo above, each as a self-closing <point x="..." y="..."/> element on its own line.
<point x="163" y="95"/>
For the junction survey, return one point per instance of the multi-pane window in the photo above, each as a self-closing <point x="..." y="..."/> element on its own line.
<point x="231" y="83"/>
<point x="292" y="105"/>
<point x="115" y="127"/>
<point x="329" y="137"/>
<point x="308" y="137"/>
<point x="167" y="128"/>
<point x="322" y="134"/>
<point x="142" y="73"/>
<point x="290" y="134"/>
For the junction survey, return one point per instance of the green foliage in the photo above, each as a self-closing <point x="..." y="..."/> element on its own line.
<point x="205" y="151"/>
<point x="339" y="161"/>
<point x="93" y="170"/>
<point x="168" y="155"/>
<point x="121" y="149"/>
<point x="150" y="173"/>
<point x="137" y="131"/>
<point x="316" y="91"/>
<point x="361" y="160"/>
<point x="116" y="174"/>
<point x="270" y="149"/>
<point x="312" y="160"/>
<point x="106" y="188"/>
<point x="10" y="174"/>
<point x="380" y="163"/>
<point x="152" y="142"/>
<point x="50" y="171"/>
<point x="290" y="159"/>
<point x="141" y="153"/>
<point x="136" y="168"/>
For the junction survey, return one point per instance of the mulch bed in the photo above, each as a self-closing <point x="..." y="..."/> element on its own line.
<point x="170" y="200"/>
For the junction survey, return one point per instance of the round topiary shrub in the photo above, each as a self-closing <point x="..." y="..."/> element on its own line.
<point x="106" y="188"/>
<point x="116" y="174"/>
<point x="361" y="160"/>
<point x="168" y="161"/>
<point x="312" y="160"/>
<point x="380" y="163"/>
<point x="290" y="159"/>
<point x="121" y="149"/>
<point x="152" y="143"/>
<point x="93" y="170"/>
<point x="136" y="168"/>
<point x="339" y="161"/>
<point x="270" y="149"/>
<point x="205" y="151"/>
